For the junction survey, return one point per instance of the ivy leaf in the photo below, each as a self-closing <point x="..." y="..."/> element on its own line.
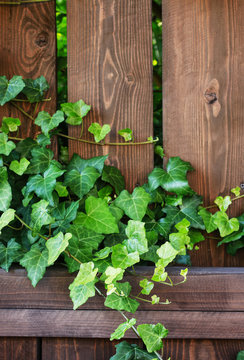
<point x="121" y="258"/>
<point x="75" y="112"/>
<point x="236" y="191"/>
<point x="86" y="274"/>
<point x="208" y="220"/>
<point x="19" y="167"/>
<point x="40" y="161"/>
<point x="125" y="351"/>
<point x="10" y="124"/>
<point x="151" y="335"/>
<point x="43" y="140"/>
<point x="35" y="262"/>
<point x="225" y="225"/>
<point x="9" y="253"/>
<point x="159" y="151"/>
<point x="25" y="146"/>
<point x="10" y="89"/>
<point x="56" y="245"/>
<point x="113" y="176"/>
<point x="34" y="89"/>
<point x="48" y="122"/>
<point x="195" y="237"/>
<point x="167" y="254"/>
<point x="136" y="234"/>
<point x="99" y="131"/>
<point x="223" y="203"/>
<point x="240" y="355"/>
<point x="81" y="293"/>
<point x="135" y="204"/>
<point x="6" y="218"/>
<point x="40" y="216"/>
<point x="126" y="134"/>
<point x="64" y="215"/>
<point x="80" y="164"/>
<point x="5" y="190"/>
<point x="173" y="179"/>
<point x="81" y="183"/>
<point x="61" y="189"/>
<point x="125" y="303"/>
<point x="146" y="286"/>
<point x="234" y="246"/>
<point x="121" y="329"/>
<point x="6" y="146"/>
<point x="98" y="217"/>
<point x="112" y="274"/>
<point x="159" y="274"/>
<point x="173" y="200"/>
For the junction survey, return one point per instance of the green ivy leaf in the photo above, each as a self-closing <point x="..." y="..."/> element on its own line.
<point x="159" y="274"/>
<point x="208" y="220"/>
<point x="6" y="218"/>
<point x="113" y="176"/>
<point x="159" y="151"/>
<point x="56" y="245"/>
<point x="121" y="329"/>
<point x="172" y="180"/>
<point x="64" y="215"/>
<point x="234" y="246"/>
<point x="223" y="203"/>
<point x="121" y="258"/>
<point x="10" y="124"/>
<point x="146" y="286"/>
<point x="125" y="351"/>
<point x="112" y="274"/>
<point x="86" y="274"/>
<point x="9" y="253"/>
<point x="126" y="134"/>
<point x="236" y="191"/>
<point x="10" y="89"/>
<point x="6" y="146"/>
<point x="151" y="335"/>
<point x="79" y="164"/>
<point x="173" y="200"/>
<point x="81" y="293"/>
<point x="40" y="161"/>
<point x="34" y="89"/>
<point x="48" y="122"/>
<point x="81" y="183"/>
<point x="125" y="303"/>
<point x="240" y="355"/>
<point x="137" y="240"/>
<point x="25" y="146"/>
<point x="5" y="190"/>
<point x="195" y="238"/>
<point x="40" y="216"/>
<point x="43" y="140"/>
<point x="135" y="204"/>
<point x="19" y="167"/>
<point x="61" y="189"/>
<point x="35" y="262"/>
<point x="225" y="225"/>
<point x="98" y="217"/>
<point x="75" y="112"/>
<point x="167" y="254"/>
<point x="99" y="131"/>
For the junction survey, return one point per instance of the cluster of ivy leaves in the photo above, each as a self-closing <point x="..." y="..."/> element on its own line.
<point x="82" y="214"/>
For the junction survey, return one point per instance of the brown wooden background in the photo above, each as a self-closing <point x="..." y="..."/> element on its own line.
<point x="110" y="67"/>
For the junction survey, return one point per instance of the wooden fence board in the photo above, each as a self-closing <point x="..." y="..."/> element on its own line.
<point x="28" y="48"/>
<point x="203" y="83"/>
<point x="110" y="67"/>
<point x="19" y="349"/>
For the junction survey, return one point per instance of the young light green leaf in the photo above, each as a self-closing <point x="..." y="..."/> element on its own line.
<point x="81" y="183"/>
<point x="121" y="258"/>
<point x="125" y="303"/>
<point x="159" y="274"/>
<point x="121" y="329"/>
<point x="10" y="124"/>
<point x="167" y="254"/>
<point x="136" y="234"/>
<point x="223" y="203"/>
<point x="99" y="131"/>
<point x="126" y="134"/>
<point x="19" y="167"/>
<point x="34" y="89"/>
<point x="10" y="89"/>
<point x="155" y="299"/>
<point x="112" y="274"/>
<point x="75" y="112"/>
<point x="56" y="245"/>
<point x="173" y="200"/>
<point x="61" y="189"/>
<point x="40" y="216"/>
<point x="35" y="262"/>
<point x="179" y="242"/>
<point x="152" y="335"/>
<point x="147" y="286"/>
<point x="6" y="146"/>
<point x="103" y="253"/>
<point x="236" y="191"/>
<point x="113" y="176"/>
<point x="183" y="226"/>
<point x="135" y="204"/>
<point x="9" y="253"/>
<point x="5" y="190"/>
<point x="172" y="180"/>
<point x="6" y="218"/>
<point x="86" y="274"/>
<point x="225" y="225"/>
<point x="98" y="217"/>
<point x="48" y="122"/>
<point x="208" y="220"/>
<point x="158" y="150"/>
<point x="125" y="351"/>
<point x="184" y="273"/>
<point x="81" y="293"/>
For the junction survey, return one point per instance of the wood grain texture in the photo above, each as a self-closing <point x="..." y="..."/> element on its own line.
<point x="19" y="349"/>
<point x="101" y="323"/>
<point x="207" y="289"/>
<point x="203" y="72"/>
<point x="110" y="67"/>
<point x="202" y="349"/>
<point x="28" y="48"/>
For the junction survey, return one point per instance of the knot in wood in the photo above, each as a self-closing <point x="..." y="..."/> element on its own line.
<point x="210" y="97"/>
<point x="42" y="39"/>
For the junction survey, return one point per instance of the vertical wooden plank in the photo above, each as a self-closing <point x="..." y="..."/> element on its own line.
<point x="19" y="349"/>
<point x="203" y="83"/>
<point x="110" y="67"/>
<point x="28" y="48"/>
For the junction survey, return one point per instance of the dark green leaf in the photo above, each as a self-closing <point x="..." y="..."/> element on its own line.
<point x="25" y="146"/>
<point x="10" y="89"/>
<point x="117" y="302"/>
<point x="40" y="161"/>
<point x="34" y="89"/>
<point x="152" y="335"/>
<point x="75" y="112"/>
<point x="113" y="176"/>
<point x="9" y="254"/>
<point x="48" y="122"/>
<point x="79" y="164"/>
<point x="64" y="215"/>
<point x="125" y="351"/>
<point x="5" y="146"/>
<point x="81" y="183"/>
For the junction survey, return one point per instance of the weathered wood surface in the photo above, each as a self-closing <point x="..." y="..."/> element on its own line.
<point x="28" y="48"/>
<point x="110" y="67"/>
<point x="203" y="83"/>
<point x="19" y="348"/>
<point x="206" y="289"/>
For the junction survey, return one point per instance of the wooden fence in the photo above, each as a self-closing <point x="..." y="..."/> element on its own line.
<point x="109" y="66"/>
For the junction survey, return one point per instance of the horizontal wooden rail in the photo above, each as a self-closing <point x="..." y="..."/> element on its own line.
<point x="209" y="305"/>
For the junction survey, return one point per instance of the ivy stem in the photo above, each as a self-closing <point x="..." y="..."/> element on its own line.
<point x="234" y="199"/>
<point x="14" y="228"/>
<point x="28" y="227"/>
<point x="15" y="138"/>
<point x="109" y="143"/>
<point x="22" y="110"/>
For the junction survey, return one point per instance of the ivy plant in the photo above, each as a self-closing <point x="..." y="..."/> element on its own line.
<point x="81" y="213"/>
